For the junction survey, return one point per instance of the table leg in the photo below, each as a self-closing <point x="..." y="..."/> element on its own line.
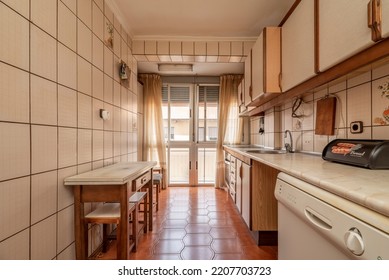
<point x="150" y="204"/>
<point x="80" y="232"/>
<point x="123" y="239"/>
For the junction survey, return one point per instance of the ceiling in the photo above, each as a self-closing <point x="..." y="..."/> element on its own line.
<point x="200" y="20"/>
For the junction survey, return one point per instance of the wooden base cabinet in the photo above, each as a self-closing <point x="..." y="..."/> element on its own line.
<point x="264" y="203"/>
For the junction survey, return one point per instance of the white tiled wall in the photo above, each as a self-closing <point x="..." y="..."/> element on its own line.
<point x="56" y="73"/>
<point x="358" y="99"/>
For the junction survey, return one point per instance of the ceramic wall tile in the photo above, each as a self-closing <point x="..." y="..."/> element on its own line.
<point x="67" y="67"/>
<point x="116" y="119"/>
<point x="116" y="144"/>
<point x="97" y="121"/>
<point x="43" y="101"/>
<point x="123" y="143"/>
<point x="108" y="144"/>
<point x="43" y="195"/>
<point x="71" y="4"/>
<point x="84" y="146"/>
<point x="15" y="199"/>
<point x="97" y="83"/>
<point x="84" y="111"/>
<point x="84" y="10"/>
<point x="44" y="239"/>
<point x="124" y="120"/>
<point x="97" y="22"/>
<point x="380" y="101"/>
<point x="85" y="167"/>
<point x="98" y="145"/>
<point x="43" y="54"/>
<point x="116" y="66"/>
<point x="65" y="193"/>
<point x="67" y="27"/>
<point x="319" y="142"/>
<point x="97" y="52"/>
<point x="108" y="89"/>
<point x="67" y="107"/>
<point x="44" y="148"/>
<point x="84" y="76"/>
<point x="116" y="93"/>
<point x="84" y="41"/>
<point x="67" y="147"/>
<point x="125" y="96"/>
<point x="44" y="15"/>
<point x="358" y="80"/>
<point x="108" y="124"/>
<point x="380" y="132"/>
<point x="14" y="97"/>
<point x="16" y="247"/>
<point x="70" y="252"/>
<point x="381" y="71"/>
<point x="359" y="104"/>
<point x="108" y="61"/>
<point x="14" y="150"/>
<point x="21" y="6"/>
<point x="65" y="228"/>
<point x="15" y="30"/>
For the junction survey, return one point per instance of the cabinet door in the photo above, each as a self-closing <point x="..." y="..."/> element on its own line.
<point x="247" y="80"/>
<point x="385" y="18"/>
<point x="238" y="200"/>
<point x="298" y="46"/>
<point x="343" y="30"/>
<point x="257" y="63"/>
<point x="246" y="193"/>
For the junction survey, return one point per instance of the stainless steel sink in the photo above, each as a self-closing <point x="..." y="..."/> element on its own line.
<point x="266" y="151"/>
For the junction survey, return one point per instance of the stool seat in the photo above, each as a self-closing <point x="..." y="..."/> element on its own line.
<point x="109" y="213"/>
<point x="157" y="178"/>
<point x="137" y="197"/>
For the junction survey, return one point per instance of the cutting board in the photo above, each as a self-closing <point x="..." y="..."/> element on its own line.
<point x="325" y="116"/>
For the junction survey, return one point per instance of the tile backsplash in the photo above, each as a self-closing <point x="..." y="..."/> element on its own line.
<point x="56" y="73"/>
<point x="362" y="97"/>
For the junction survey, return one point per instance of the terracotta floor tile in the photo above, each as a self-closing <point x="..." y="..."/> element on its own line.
<point x="226" y="246"/>
<point x="168" y="247"/>
<point x="169" y="233"/>
<point x="197" y="253"/>
<point x="193" y="219"/>
<point x="197" y="239"/>
<point x="197" y="223"/>
<point x="198" y="228"/>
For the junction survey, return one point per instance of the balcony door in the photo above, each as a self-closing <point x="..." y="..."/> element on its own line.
<point x="190" y="127"/>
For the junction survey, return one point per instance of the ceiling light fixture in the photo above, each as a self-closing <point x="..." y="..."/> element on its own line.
<point x="175" y="67"/>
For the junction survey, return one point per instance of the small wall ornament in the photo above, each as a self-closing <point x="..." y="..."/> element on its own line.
<point x="110" y="30"/>
<point x="384" y="90"/>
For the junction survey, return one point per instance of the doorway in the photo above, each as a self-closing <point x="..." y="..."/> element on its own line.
<point x="190" y="129"/>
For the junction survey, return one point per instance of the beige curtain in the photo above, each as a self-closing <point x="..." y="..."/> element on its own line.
<point x="228" y="121"/>
<point x="154" y="148"/>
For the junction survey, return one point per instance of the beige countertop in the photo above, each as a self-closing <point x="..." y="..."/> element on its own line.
<point x="368" y="188"/>
<point x="115" y="174"/>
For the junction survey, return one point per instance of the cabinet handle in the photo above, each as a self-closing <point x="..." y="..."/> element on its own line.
<point x="251" y="93"/>
<point x="374" y="19"/>
<point x="240" y="172"/>
<point x="279" y="81"/>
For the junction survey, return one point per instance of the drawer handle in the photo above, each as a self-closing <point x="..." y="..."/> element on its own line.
<point x="143" y="180"/>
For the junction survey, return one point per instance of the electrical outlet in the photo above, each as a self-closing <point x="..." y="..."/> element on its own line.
<point x="356" y="127"/>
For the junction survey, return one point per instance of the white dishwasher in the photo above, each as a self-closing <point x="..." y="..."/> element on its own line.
<point x="313" y="224"/>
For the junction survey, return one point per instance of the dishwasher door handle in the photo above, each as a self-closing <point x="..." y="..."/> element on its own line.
<point x="317" y="219"/>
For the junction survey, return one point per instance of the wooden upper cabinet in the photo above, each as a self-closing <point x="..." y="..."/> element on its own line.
<point x="385" y="18"/>
<point x="342" y="30"/>
<point x="266" y="63"/>
<point x="247" y="80"/>
<point x="298" y="47"/>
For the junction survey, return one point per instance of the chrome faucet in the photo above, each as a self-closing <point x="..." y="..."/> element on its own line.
<point x="288" y="147"/>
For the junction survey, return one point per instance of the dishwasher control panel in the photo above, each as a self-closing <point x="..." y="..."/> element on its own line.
<point x="356" y="239"/>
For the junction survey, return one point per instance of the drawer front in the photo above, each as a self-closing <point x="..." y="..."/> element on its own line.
<point x="141" y="181"/>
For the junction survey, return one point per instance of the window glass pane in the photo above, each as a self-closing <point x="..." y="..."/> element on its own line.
<point x="207" y="113"/>
<point x="179" y="166"/>
<point x="180" y="112"/>
<point x="206" y="165"/>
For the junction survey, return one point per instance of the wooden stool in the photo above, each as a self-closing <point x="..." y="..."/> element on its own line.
<point x="157" y="183"/>
<point x="139" y="198"/>
<point x="109" y="213"/>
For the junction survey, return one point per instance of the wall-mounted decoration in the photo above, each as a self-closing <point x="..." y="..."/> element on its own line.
<point x="123" y="71"/>
<point x="109" y="40"/>
<point x="383" y="118"/>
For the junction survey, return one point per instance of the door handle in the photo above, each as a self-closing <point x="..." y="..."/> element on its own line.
<point x="374" y="19"/>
